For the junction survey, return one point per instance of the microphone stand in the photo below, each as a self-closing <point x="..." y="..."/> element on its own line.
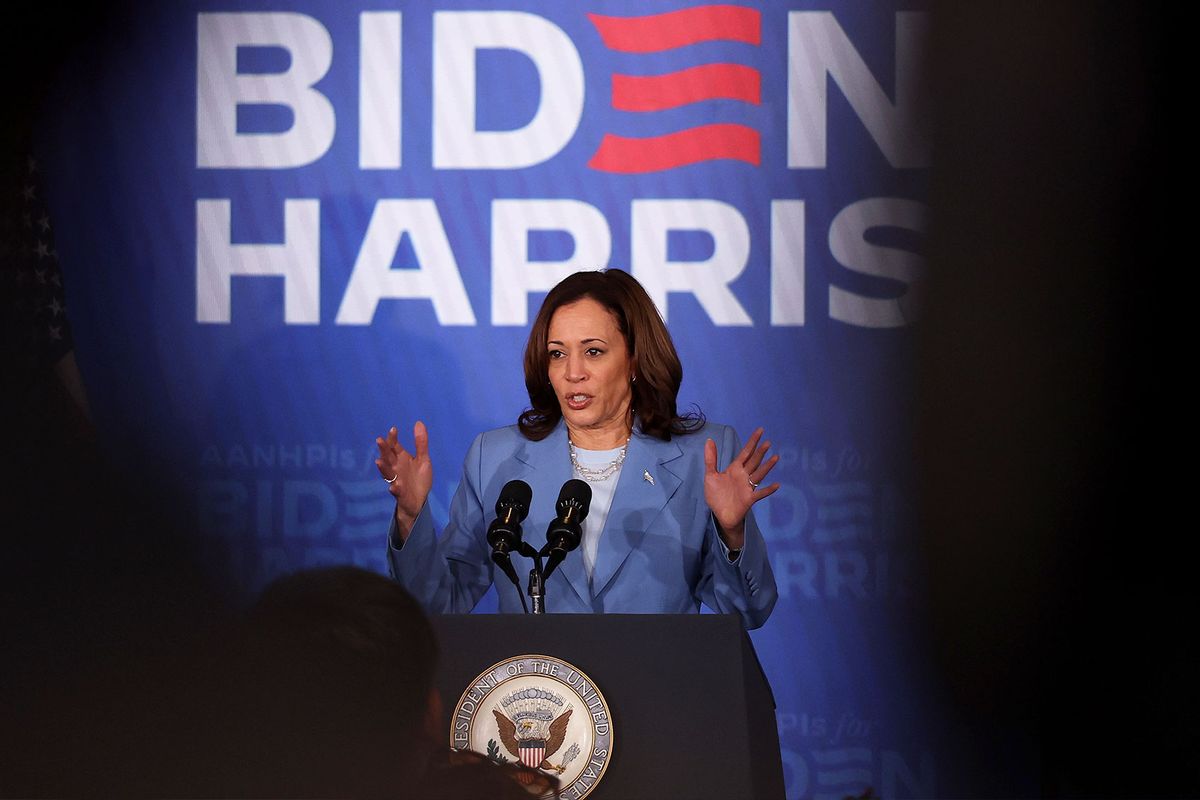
<point x="537" y="582"/>
<point x="563" y="535"/>
<point x="504" y="534"/>
<point x="537" y="590"/>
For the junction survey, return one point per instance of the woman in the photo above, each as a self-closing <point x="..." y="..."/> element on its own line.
<point x="670" y="524"/>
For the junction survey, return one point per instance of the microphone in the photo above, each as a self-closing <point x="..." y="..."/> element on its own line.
<point x="566" y="530"/>
<point x="504" y="534"/>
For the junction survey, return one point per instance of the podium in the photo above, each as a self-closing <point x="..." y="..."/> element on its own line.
<point x="692" y="713"/>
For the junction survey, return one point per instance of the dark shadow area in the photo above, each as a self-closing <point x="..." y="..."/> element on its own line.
<point x="107" y="615"/>
<point x="1050" y="440"/>
<point x="128" y="669"/>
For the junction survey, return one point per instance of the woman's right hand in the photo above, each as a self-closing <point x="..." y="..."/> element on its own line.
<point x="409" y="477"/>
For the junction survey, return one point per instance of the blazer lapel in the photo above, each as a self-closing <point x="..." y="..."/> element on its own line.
<point x="549" y="464"/>
<point x="636" y="504"/>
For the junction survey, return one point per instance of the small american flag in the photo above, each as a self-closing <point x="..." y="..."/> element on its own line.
<point x="36" y="334"/>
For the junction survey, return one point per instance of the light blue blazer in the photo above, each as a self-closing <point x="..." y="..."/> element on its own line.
<point x="659" y="552"/>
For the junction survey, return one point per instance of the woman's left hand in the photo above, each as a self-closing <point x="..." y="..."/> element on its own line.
<point x="730" y="494"/>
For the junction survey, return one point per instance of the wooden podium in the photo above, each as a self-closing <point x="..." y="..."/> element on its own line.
<point x="692" y="713"/>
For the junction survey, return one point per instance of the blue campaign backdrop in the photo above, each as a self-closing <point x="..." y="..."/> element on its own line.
<point x="286" y="226"/>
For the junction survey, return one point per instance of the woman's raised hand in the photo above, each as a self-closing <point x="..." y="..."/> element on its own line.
<point x="409" y="476"/>
<point x="731" y="493"/>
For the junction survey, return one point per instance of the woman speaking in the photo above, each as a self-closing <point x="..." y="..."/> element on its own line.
<point x="669" y="525"/>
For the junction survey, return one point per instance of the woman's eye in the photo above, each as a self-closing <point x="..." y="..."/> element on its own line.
<point x="555" y="354"/>
<point x="594" y="351"/>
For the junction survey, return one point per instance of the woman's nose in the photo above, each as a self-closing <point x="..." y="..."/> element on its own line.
<point x="575" y="368"/>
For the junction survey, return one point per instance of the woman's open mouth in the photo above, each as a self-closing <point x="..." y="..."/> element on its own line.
<point x="576" y="402"/>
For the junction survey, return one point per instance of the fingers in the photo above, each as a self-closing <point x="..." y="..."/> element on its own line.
<point x="765" y="491"/>
<point x="421" y="440"/>
<point x="384" y="470"/>
<point x="390" y="455"/>
<point x="385" y="445"/>
<point x="751" y="443"/>
<point x="390" y="448"/>
<point x="710" y="456"/>
<point x="757" y="456"/>
<point x="759" y="473"/>
<point x="757" y="469"/>
<point x="387" y="459"/>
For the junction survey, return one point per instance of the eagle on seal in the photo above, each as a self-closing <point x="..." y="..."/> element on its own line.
<point x="525" y="742"/>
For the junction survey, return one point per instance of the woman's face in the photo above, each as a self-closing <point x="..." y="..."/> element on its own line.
<point x="591" y="373"/>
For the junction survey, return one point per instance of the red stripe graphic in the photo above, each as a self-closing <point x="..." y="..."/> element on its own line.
<point x="657" y="32"/>
<point x="658" y="153"/>
<point x="707" y="82"/>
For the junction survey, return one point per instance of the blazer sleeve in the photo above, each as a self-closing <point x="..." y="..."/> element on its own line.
<point x="746" y="585"/>
<point x="447" y="576"/>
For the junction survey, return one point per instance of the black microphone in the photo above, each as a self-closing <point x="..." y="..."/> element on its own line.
<point x="504" y="534"/>
<point x="566" y="530"/>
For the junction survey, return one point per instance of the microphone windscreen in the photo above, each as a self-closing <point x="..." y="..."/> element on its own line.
<point x="515" y="495"/>
<point x="574" y="493"/>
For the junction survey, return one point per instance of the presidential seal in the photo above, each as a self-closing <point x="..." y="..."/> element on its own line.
<point x="542" y="712"/>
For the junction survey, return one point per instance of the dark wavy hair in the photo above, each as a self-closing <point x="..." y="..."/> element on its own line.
<point x="656" y="365"/>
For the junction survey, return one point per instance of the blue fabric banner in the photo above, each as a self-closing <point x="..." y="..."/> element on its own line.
<point x="287" y="226"/>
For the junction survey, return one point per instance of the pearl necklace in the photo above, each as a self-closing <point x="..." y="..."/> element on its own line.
<point x="597" y="474"/>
